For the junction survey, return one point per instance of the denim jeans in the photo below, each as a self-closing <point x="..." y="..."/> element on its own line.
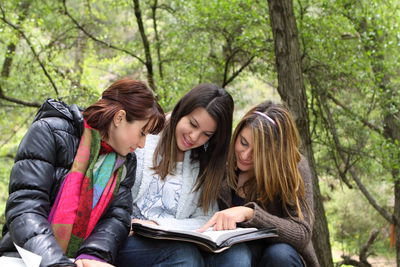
<point x="237" y="255"/>
<point x="274" y="255"/>
<point x="142" y="251"/>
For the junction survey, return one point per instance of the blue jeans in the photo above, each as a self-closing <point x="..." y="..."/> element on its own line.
<point x="274" y="255"/>
<point x="237" y="255"/>
<point x="142" y="251"/>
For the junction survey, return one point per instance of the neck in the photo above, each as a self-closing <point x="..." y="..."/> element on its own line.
<point x="180" y="156"/>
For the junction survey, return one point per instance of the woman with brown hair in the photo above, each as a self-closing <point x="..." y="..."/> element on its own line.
<point x="268" y="184"/>
<point x="69" y="193"/>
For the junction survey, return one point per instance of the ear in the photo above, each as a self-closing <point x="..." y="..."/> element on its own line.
<point x="119" y="117"/>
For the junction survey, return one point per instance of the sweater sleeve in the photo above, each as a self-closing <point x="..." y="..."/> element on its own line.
<point x="28" y="205"/>
<point x="291" y="230"/>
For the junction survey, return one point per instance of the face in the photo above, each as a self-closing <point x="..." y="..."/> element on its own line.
<point x="244" y="150"/>
<point x="124" y="136"/>
<point x="194" y="129"/>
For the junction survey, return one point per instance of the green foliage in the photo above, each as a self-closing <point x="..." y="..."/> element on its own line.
<point x="350" y="51"/>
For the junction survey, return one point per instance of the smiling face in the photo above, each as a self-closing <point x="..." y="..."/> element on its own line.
<point x="124" y="136"/>
<point x="194" y="129"/>
<point x="244" y="150"/>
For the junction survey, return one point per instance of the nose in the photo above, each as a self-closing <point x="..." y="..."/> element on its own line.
<point x="247" y="154"/>
<point x="142" y="141"/>
<point x="194" y="136"/>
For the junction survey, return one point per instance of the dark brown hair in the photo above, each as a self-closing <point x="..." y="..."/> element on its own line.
<point x="219" y="104"/>
<point x="132" y="96"/>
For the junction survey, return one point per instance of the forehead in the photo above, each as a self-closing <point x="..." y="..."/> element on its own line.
<point x="204" y="119"/>
<point x="247" y="134"/>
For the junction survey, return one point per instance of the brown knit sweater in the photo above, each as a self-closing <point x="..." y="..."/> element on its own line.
<point x="292" y="231"/>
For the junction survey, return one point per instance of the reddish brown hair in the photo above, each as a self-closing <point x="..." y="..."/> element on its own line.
<point x="132" y="96"/>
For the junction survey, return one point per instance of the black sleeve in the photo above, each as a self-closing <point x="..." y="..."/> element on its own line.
<point x="28" y="205"/>
<point x="113" y="227"/>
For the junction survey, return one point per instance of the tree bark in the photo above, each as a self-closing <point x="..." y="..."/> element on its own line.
<point x="146" y="45"/>
<point x="292" y="91"/>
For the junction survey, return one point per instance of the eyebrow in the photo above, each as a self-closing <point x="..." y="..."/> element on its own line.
<point x="197" y="123"/>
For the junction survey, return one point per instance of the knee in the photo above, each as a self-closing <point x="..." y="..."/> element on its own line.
<point x="186" y="254"/>
<point x="280" y="255"/>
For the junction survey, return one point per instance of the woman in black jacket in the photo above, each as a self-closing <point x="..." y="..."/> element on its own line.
<point x="69" y="192"/>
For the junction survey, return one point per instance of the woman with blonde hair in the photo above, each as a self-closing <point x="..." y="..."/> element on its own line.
<point x="268" y="184"/>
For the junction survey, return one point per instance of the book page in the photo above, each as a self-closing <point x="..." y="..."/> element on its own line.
<point x="30" y="259"/>
<point x="219" y="236"/>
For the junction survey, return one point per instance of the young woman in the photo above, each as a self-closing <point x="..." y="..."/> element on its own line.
<point x="178" y="176"/>
<point x="70" y="184"/>
<point x="268" y="184"/>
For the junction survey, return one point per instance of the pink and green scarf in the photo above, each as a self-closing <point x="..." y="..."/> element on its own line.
<point x="91" y="184"/>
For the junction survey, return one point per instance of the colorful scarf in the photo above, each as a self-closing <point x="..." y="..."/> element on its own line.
<point x="91" y="184"/>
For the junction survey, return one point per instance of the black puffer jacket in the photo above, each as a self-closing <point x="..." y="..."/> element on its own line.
<point x="44" y="157"/>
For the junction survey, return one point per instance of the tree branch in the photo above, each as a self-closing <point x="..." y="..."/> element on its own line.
<point x="384" y="213"/>
<point x="236" y="73"/>
<point x="158" y="43"/>
<point x="146" y="45"/>
<point x="91" y="36"/>
<point x="22" y="34"/>
<point x="365" y="122"/>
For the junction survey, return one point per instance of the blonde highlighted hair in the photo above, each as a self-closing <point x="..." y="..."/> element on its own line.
<point x="275" y="156"/>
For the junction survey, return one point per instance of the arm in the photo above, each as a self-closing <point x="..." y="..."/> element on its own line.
<point x="291" y="230"/>
<point x="31" y="182"/>
<point x="113" y="227"/>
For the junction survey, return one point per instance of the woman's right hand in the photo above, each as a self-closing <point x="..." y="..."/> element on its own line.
<point x="227" y="219"/>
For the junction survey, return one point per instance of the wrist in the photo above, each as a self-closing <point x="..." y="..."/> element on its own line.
<point x="249" y="213"/>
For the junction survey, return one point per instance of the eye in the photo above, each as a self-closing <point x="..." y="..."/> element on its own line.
<point x="243" y="142"/>
<point x="208" y="135"/>
<point x="142" y="133"/>
<point x="193" y="125"/>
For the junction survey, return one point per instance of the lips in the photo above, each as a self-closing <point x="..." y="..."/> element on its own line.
<point x="186" y="142"/>
<point x="244" y="162"/>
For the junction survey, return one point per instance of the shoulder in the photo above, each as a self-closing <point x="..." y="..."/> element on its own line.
<point x="58" y="116"/>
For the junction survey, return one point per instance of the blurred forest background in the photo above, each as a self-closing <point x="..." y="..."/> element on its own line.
<point x="335" y="63"/>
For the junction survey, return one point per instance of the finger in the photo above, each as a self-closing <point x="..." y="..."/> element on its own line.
<point x="219" y="224"/>
<point x="208" y="224"/>
<point x="232" y="225"/>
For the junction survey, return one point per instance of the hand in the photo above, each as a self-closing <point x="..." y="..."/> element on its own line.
<point x="227" y="219"/>
<point x="141" y="222"/>
<point x="92" y="263"/>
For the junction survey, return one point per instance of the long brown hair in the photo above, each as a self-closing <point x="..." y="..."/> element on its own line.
<point x="132" y="96"/>
<point x="275" y="156"/>
<point x="212" y="157"/>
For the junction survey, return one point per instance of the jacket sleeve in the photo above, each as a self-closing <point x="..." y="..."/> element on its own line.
<point x="291" y="230"/>
<point x="31" y="182"/>
<point x="113" y="227"/>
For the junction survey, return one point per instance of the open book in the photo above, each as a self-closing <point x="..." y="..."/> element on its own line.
<point x="213" y="241"/>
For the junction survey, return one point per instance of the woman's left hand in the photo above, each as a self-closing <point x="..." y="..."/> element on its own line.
<point x="227" y="219"/>
<point x="92" y="263"/>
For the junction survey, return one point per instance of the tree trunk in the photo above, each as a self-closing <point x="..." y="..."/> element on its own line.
<point x="292" y="91"/>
